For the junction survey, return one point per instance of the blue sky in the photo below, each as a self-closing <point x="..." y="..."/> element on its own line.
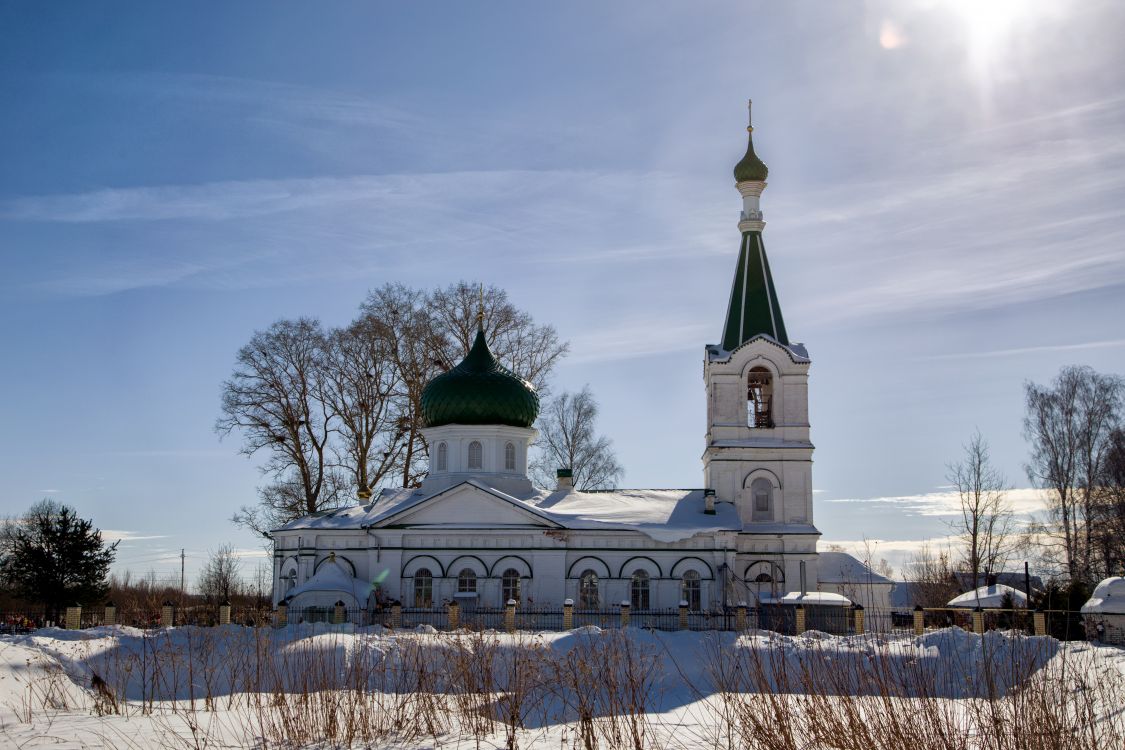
<point x="944" y="211"/>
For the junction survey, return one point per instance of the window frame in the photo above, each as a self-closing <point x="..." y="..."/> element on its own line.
<point x="477" y="464"/>
<point x="423" y="580"/>
<point x="640" y="590"/>
<point x="691" y="590"/>
<point x="589" y="592"/>
<point x="511" y="585"/>
<point x="467" y="581"/>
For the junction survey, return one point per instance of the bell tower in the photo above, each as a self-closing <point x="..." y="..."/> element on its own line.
<point x="758" y="454"/>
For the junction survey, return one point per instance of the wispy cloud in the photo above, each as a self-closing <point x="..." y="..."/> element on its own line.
<point x="115" y="535"/>
<point x="1106" y="344"/>
<point x="994" y="218"/>
<point x="1024" y="501"/>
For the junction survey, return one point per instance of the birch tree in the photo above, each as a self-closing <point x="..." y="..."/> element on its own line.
<point x="985" y="521"/>
<point x="568" y="439"/>
<point x="1068" y="425"/>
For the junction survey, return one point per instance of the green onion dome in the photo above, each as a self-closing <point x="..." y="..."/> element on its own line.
<point x="751" y="167"/>
<point x="479" y="391"/>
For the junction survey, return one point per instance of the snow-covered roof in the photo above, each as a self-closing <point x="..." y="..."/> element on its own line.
<point x="1108" y="598"/>
<point x="988" y="597"/>
<point x="333" y="577"/>
<point x="811" y="598"/>
<point x="840" y="567"/>
<point x="664" y="515"/>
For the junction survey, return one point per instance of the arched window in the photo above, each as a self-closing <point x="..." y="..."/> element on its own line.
<point x="759" y="398"/>
<point x="510" y="585"/>
<point x="476" y="455"/>
<point x="761" y="493"/>
<point x="442" y="457"/>
<point x="588" y="591"/>
<point x="639" y="591"/>
<point x="466" y="581"/>
<point x="509" y="457"/>
<point x="691" y="591"/>
<point x="423" y="588"/>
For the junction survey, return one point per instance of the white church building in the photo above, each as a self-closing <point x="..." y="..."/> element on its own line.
<point x="479" y="533"/>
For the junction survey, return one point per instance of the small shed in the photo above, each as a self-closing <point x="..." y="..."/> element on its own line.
<point x="1106" y="607"/>
<point x="315" y="599"/>
<point x="989" y="597"/>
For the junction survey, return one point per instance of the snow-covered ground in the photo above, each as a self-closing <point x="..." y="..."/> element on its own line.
<point x="335" y="686"/>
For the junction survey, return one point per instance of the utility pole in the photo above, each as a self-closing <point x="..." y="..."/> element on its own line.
<point x="181" y="571"/>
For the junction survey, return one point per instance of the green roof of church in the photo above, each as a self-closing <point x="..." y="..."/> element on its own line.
<point x="479" y="391"/>
<point x="753" y="307"/>
<point x="751" y="167"/>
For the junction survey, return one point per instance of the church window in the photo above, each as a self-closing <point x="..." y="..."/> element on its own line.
<point x="466" y="581"/>
<point x="509" y="457"/>
<point x="442" y="456"/>
<point x="510" y="585"/>
<point x="762" y="493"/>
<point x="691" y="591"/>
<point x="639" y="591"/>
<point x="476" y="455"/>
<point x="423" y="588"/>
<point x="588" y="591"/>
<point x="759" y="398"/>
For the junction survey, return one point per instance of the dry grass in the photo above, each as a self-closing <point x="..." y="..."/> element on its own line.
<point x="590" y="690"/>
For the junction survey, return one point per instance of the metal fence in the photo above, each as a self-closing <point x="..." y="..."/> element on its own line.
<point x="778" y="618"/>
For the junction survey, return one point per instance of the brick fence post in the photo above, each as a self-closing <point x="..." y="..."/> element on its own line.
<point x="110" y="617"/>
<point x="978" y="621"/>
<point x="168" y="615"/>
<point x="568" y="614"/>
<point x="740" y="617"/>
<point x="224" y="613"/>
<point x="683" y="615"/>
<point x="859" y="623"/>
<point x="454" y="611"/>
<point x="919" y="620"/>
<point x="625" y="609"/>
<point x="510" y="615"/>
<point x="282" y="615"/>
<point x="800" y="619"/>
<point x="338" y="613"/>
<point x="1039" y="618"/>
<point x="396" y="615"/>
<point x="74" y="617"/>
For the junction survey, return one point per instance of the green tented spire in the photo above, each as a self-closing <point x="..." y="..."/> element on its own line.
<point x="751" y="168"/>
<point x="753" y="307"/>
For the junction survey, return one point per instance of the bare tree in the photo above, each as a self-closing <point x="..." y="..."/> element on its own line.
<point x="338" y="413"/>
<point x="529" y="350"/>
<point x="415" y="349"/>
<point x="1109" y="511"/>
<point x="219" y="580"/>
<point x="985" y="522"/>
<point x="932" y="578"/>
<point x="567" y="439"/>
<point x="360" y="386"/>
<point x="1069" y="425"/>
<point x="274" y="400"/>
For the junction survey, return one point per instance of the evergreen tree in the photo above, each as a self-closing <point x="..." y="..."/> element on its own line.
<point x="54" y="557"/>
